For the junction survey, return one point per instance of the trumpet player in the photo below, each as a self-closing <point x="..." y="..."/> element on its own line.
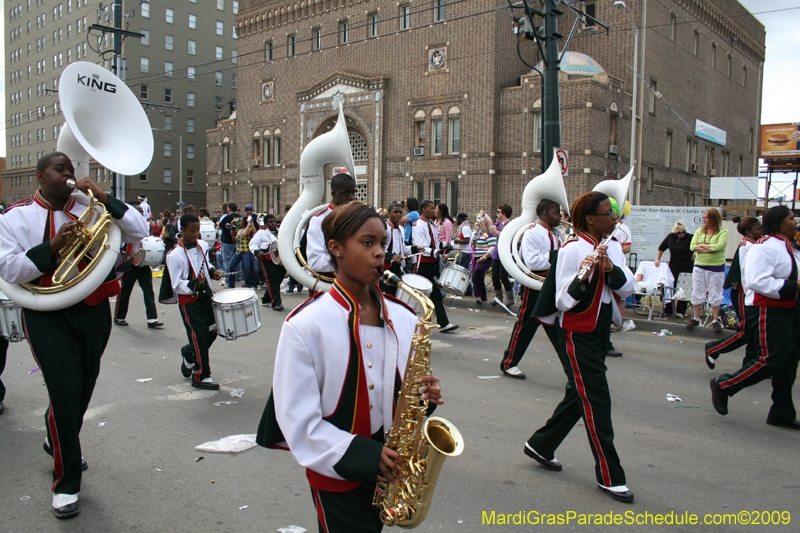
<point x="67" y="344"/>
<point x="338" y="368"/>
<point x="585" y="283"/>
<point x="538" y="244"/>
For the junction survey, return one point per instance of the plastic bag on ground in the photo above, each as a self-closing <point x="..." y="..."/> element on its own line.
<point x="229" y="444"/>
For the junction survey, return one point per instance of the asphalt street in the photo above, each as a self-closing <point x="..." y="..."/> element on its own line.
<point x="139" y="438"/>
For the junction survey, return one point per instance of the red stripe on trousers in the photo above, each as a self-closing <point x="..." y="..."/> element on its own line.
<point x="197" y="357"/>
<point x="762" y="334"/>
<point x="517" y="328"/>
<point x="55" y="444"/>
<point x="116" y="306"/>
<point x="269" y="285"/>
<point x="587" y="409"/>
<point x="320" y="511"/>
<point x="738" y="335"/>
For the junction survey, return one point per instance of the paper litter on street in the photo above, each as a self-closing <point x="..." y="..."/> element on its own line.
<point x="229" y="444"/>
<point x="673" y="398"/>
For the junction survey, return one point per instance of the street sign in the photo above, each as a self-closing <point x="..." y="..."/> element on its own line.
<point x="563" y="160"/>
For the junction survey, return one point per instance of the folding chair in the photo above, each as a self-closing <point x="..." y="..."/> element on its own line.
<point x="685" y="282"/>
<point x="648" y="301"/>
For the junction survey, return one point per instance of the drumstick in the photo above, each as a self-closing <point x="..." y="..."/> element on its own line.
<point x="413" y="255"/>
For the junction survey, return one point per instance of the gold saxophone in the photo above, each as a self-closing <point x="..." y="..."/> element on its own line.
<point x="423" y="445"/>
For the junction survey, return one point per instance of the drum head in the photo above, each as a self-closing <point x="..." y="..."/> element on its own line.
<point x="232" y="296"/>
<point x="418" y="282"/>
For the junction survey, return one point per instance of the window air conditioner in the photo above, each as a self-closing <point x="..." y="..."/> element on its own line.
<point x="695" y="167"/>
<point x="613" y="149"/>
<point x="713" y="172"/>
<point x="420" y="150"/>
<point x="255" y="163"/>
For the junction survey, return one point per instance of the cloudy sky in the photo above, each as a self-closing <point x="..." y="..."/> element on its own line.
<point x="781" y="72"/>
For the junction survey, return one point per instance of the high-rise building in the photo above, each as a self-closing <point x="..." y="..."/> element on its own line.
<point x="441" y="105"/>
<point x="183" y="70"/>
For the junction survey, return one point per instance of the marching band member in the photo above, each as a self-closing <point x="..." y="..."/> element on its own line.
<point x="185" y="282"/>
<point x="396" y="248"/>
<point x="771" y="282"/>
<point x="132" y="274"/>
<point x="586" y="304"/>
<point x="343" y="191"/>
<point x="538" y="243"/>
<point x="259" y="245"/>
<point x="618" y="246"/>
<point x="147" y="213"/>
<point x="330" y="406"/>
<point x="423" y="239"/>
<point x="461" y="243"/>
<point x="750" y="228"/>
<point x="68" y="343"/>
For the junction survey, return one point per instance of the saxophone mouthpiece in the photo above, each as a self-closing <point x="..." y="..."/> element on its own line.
<point x="390" y="278"/>
<point x="71" y="183"/>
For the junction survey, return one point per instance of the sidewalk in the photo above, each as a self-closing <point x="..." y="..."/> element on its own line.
<point x="642" y="324"/>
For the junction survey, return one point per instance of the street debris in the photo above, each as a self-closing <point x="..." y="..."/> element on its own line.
<point x="292" y="529"/>
<point x="199" y="458"/>
<point x="673" y="398"/>
<point x="488" y="377"/>
<point x="229" y="444"/>
<point x="101" y="424"/>
<point x="34" y="370"/>
<point x="237" y="393"/>
<point x="226" y="402"/>
<point x="144" y="380"/>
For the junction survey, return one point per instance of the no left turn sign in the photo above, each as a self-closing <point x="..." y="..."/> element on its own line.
<point x="563" y="159"/>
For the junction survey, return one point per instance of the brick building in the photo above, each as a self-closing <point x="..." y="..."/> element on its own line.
<point x="440" y="106"/>
<point x="183" y="70"/>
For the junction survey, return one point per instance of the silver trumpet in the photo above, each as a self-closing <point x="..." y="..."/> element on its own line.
<point x="71" y="183"/>
<point x="585" y="268"/>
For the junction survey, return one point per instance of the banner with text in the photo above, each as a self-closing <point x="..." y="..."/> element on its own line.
<point x="650" y="224"/>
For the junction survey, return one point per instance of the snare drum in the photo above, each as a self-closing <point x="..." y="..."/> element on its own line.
<point x="454" y="279"/>
<point x="10" y="320"/>
<point x="208" y="233"/>
<point x="417" y="282"/>
<point x="151" y="252"/>
<point x="236" y="313"/>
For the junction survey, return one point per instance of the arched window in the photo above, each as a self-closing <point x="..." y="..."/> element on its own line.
<point x="226" y="154"/>
<point x="436" y="130"/>
<point x="419" y="129"/>
<point x="276" y="146"/>
<point x="267" y="148"/>
<point x="454" y="130"/>
<point x="256" y="148"/>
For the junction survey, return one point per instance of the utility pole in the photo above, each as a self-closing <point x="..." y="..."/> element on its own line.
<point x="551" y="104"/>
<point x="117" y="184"/>
<point x="526" y="30"/>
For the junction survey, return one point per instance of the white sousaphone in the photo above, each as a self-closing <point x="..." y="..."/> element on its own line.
<point x="330" y="147"/>
<point x="104" y="121"/>
<point x="549" y="185"/>
<point x="618" y="190"/>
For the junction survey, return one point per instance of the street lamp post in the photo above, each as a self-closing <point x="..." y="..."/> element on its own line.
<point x="622" y="5"/>
<point x="180" y="163"/>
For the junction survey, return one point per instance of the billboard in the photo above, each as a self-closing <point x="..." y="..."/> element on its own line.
<point x="780" y="140"/>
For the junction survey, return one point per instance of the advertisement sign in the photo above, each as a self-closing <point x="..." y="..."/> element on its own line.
<point x="710" y="133"/>
<point x="780" y="140"/>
